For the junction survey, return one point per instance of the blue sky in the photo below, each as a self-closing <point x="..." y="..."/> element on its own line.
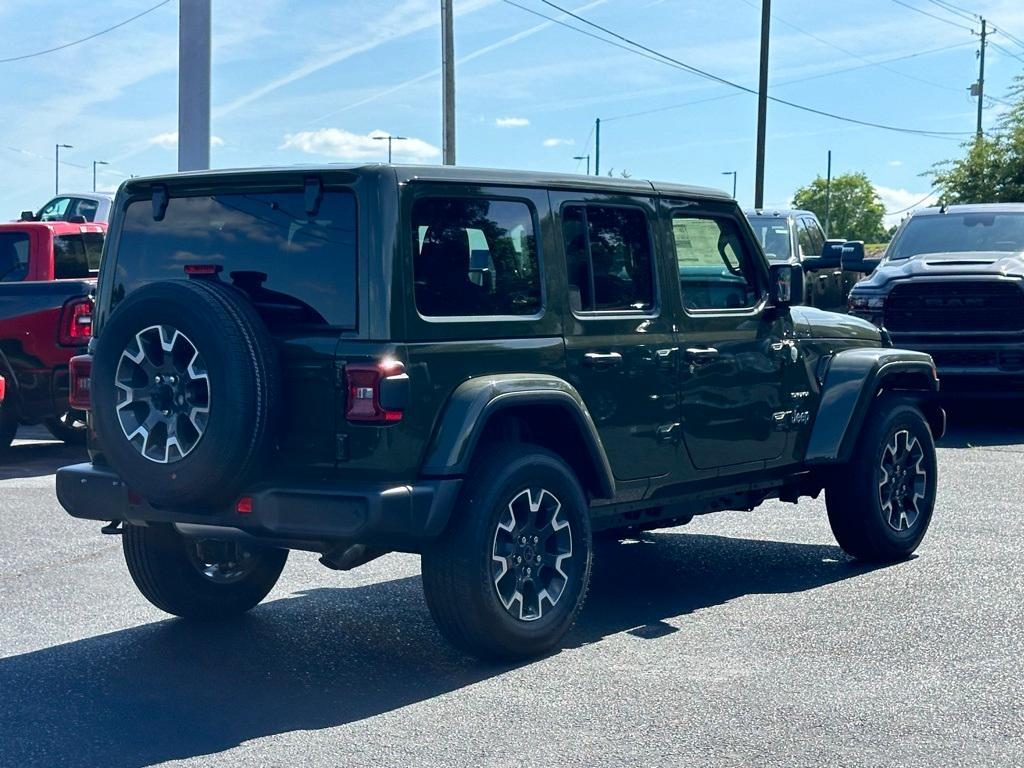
<point x="310" y="81"/>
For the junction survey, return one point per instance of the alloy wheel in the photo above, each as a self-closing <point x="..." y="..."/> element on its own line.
<point x="903" y="481"/>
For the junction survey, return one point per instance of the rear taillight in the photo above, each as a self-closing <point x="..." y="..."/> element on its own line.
<point x="76" y="323"/>
<point x="79" y="376"/>
<point x="3" y="388"/>
<point x="377" y="392"/>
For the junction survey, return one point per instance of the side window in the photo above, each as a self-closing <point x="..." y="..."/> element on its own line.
<point x="84" y="208"/>
<point x="803" y="236"/>
<point x="816" y="238"/>
<point x="55" y="209"/>
<point x="609" y="259"/>
<point x="13" y="256"/>
<point x="474" y="257"/>
<point x="93" y="249"/>
<point x="69" y="257"/>
<point x="713" y="263"/>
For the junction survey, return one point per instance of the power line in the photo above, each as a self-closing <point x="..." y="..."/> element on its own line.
<point x="932" y="15"/>
<point x="20" y="151"/>
<point x="950" y="8"/>
<point x="1008" y="36"/>
<point x="904" y="210"/>
<point x="665" y="59"/>
<point x="1007" y="51"/>
<point x="93" y="36"/>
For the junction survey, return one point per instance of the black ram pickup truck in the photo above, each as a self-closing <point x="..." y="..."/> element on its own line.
<point x="483" y="367"/>
<point x="951" y="283"/>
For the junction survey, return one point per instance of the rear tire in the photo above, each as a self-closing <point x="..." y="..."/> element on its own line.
<point x="178" y="575"/>
<point x="880" y="504"/>
<point x="509" y="575"/>
<point x="69" y="428"/>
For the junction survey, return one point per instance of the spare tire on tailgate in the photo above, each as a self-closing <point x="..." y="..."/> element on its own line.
<point x="186" y="392"/>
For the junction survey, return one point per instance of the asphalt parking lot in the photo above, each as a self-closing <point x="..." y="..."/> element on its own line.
<point x="740" y="639"/>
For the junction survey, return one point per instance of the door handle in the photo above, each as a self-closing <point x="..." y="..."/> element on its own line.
<point x="701" y="355"/>
<point x="602" y="359"/>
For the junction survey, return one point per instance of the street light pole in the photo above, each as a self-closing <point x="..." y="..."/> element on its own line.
<point x="828" y="193"/>
<point x="733" y="174"/>
<point x="94" y="164"/>
<point x="584" y="157"/>
<point x="389" y="138"/>
<point x="194" y="85"/>
<point x="762" y="104"/>
<point x="448" y="80"/>
<point x="56" y="166"/>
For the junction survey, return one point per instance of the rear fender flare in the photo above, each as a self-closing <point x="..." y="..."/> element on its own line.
<point x="854" y="379"/>
<point x="476" y="401"/>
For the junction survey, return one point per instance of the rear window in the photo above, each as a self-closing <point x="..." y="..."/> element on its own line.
<point x="77" y="256"/>
<point x="13" y="256"/>
<point x="297" y="269"/>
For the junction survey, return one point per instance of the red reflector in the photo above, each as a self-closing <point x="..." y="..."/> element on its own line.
<point x="3" y="388"/>
<point x="79" y="382"/>
<point x="76" y="322"/>
<point x="244" y="505"/>
<point x="363" y="384"/>
<point x="134" y="498"/>
<point x="202" y="269"/>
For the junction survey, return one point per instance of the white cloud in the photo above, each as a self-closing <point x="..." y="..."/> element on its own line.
<point x="342" y="144"/>
<point x="556" y="142"/>
<point x="900" y="202"/>
<point x="895" y="163"/>
<point x="169" y="140"/>
<point x="511" y="122"/>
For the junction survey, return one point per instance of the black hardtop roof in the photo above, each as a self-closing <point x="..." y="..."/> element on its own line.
<point x="455" y="174"/>
<point x="971" y="208"/>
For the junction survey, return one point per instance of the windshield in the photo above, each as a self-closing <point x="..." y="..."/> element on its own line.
<point x="959" y="233"/>
<point x="773" y="234"/>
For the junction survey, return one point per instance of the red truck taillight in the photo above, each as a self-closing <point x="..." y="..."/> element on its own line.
<point x="76" y="323"/>
<point x="376" y="392"/>
<point x="80" y="375"/>
<point x="3" y="388"/>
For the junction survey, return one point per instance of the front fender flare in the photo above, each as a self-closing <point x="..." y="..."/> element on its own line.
<point x="853" y="381"/>
<point x="475" y="401"/>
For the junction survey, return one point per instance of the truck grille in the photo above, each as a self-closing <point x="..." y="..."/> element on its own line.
<point x="970" y="306"/>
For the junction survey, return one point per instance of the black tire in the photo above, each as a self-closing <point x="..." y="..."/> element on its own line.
<point x="863" y="524"/>
<point x="166" y="567"/>
<point x="8" y="421"/>
<point x="242" y="392"/>
<point x="69" y="428"/>
<point x="459" y="572"/>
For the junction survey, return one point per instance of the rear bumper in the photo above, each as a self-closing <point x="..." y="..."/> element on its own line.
<point x="399" y="518"/>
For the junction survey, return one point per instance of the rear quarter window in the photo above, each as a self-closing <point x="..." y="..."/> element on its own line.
<point x="14" y="247"/>
<point x="298" y="269"/>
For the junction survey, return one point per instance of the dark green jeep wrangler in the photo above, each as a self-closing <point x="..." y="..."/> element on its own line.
<point x="484" y="367"/>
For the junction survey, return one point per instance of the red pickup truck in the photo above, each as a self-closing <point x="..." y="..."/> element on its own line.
<point x="47" y="278"/>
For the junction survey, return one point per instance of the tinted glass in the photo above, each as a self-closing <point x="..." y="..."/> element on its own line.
<point x="297" y="269"/>
<point x="13" y="256"/>
<point x="84" y="208"/>
<point x="474" y="257"/>
<point x="804" y="239"/>
<point x="713" y="264"/>
<point x="70" y="259"/>
<point x="773" y="234"/>
<point x="93" y="249"/>
<point x="55" y="209"/>
<point x="608" y="253"/>
<point x="959" y="233"/>
<point x="815" y="237"/>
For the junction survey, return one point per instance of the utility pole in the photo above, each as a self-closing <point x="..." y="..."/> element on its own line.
<point x="597" y="148"/>
<point x="981" y="75"/>
<point x="194" y="84"/>
<point x="389" y="140"/>
<point x="828" y="192"/>
<point x="584" y="157"/>
<point x="94" y="164"/>
<point x="56" y="166"/>
<point x="733" y="174"/>
<point x="762" y="104"/>
<point x="448" y="77"/>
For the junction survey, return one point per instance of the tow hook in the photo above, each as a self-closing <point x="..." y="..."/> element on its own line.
<point x="113" y="528"/>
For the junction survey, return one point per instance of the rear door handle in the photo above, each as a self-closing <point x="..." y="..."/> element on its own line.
<point x="701" y="355"/>
<point x="602" y="359"/>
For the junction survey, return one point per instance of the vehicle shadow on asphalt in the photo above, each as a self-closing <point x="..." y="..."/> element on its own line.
<point x="35" y="459"/>
<point x="992" y="424"/>
<point x="327" y="657"/>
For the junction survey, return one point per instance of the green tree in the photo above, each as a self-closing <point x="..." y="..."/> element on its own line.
<point x="992" y="167"/>
<point x="855" y="210"/>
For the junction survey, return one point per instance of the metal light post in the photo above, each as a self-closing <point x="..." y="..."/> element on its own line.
<point x="389" y="139"/>
<point x="94" y="164"/>
<point x="584" y="157"/>
<point x="194" y="84"/>
<point x="56" y="166"/>
<point x="733" y="174"/>
<point x="448" y="81"/>
<point x="762" y="105"/>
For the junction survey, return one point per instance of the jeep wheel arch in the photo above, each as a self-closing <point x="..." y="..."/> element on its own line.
<point x="855" y="377"/>
<point x="484" y="406"/>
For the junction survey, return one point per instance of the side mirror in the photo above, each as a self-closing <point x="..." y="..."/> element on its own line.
<point x="28" y="216"/>
<point x="853" y="257"/>
<point x="787" y="285"/>
<point x="832" y="254"/>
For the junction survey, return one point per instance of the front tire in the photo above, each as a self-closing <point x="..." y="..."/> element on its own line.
<point x="880" y="504"/>
<point x="198" y="579"/>
<point x="509" y="575"/>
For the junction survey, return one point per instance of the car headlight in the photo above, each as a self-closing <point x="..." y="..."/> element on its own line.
<point x="866" y="303"/>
